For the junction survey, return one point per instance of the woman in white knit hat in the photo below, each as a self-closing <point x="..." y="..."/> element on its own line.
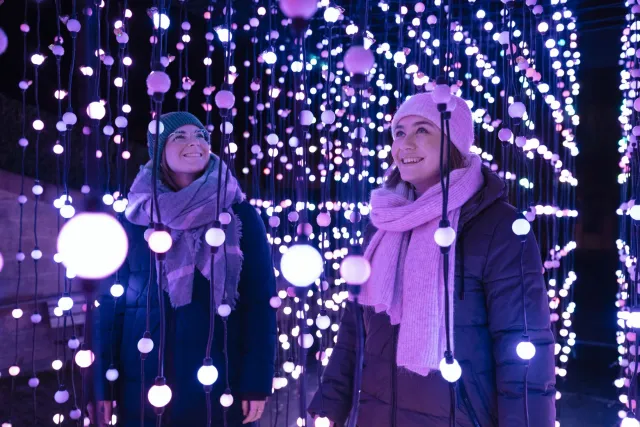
<point x="496" y="292"/>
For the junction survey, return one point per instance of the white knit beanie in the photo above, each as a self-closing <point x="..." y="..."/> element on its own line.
<point x="460" y="124"/>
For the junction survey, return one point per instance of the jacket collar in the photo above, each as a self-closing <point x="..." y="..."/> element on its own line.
<point x="493" y="190"/>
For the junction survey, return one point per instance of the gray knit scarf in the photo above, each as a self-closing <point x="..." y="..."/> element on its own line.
<point x="188" y="214"/>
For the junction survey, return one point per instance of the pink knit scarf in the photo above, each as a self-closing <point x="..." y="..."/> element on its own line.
<point x="407" y="271"/>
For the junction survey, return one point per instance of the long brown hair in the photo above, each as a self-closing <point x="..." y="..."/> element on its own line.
<point x="392" y="175"/>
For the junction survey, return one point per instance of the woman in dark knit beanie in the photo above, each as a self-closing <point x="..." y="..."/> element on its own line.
<point x="194" y="191"/>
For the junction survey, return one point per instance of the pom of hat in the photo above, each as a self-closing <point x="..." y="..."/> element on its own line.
<point x="170" y="123"/>
<point x="460" y="123"/>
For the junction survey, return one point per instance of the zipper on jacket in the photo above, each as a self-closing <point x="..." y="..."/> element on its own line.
<point x="467" y="403"/>
<point x="394" y="379"/>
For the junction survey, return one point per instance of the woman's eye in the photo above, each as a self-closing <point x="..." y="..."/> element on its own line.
<point x="399" y="134"/>
<point x="421" y="130"/>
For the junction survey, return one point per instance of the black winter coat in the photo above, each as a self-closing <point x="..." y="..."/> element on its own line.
<point x="488" y="325"/>
<point x="251" y="335"/>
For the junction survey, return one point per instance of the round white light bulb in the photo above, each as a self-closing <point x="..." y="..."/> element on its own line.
<point x="117" y="290"/>
<point x="207" y="375"/>
<point x="65" y="303"/>
<point x="301" y="265"/>
<point x="521" y="227"/>
<point x="450" y="372"/>
<point x="224" y="310"/>
<point x="215" y="237"/>
<point x="444" y="236"/>
<point x="226" y="400"/>
<point x="112" y="374"/>
<point x="93" y="245"/>
<point x="84" y="358"/>
<point x="145" y="345"/>
<point x="323" y="322"/>
<point x="61" y="396"/>
<point x="355" y="270"/>
<point x="96" y="110"/>
<point x="160" y="241"/>
<point x="526" y="350"/>
<point x="159" y="395"/>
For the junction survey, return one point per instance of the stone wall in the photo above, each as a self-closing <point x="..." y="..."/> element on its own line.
<point x="50" y="277"/>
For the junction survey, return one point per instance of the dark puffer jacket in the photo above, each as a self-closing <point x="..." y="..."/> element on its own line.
<point x="251" y="334"/>
<point x="488" y="325"/>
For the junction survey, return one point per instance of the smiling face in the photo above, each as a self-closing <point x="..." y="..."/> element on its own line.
<point x="187" y="154"/>
<point x="416" y="151"/>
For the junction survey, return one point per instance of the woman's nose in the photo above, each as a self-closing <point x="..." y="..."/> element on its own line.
<point x="409" y="143"/>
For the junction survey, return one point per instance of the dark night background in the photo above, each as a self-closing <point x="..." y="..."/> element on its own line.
<point x="589" y="397"/>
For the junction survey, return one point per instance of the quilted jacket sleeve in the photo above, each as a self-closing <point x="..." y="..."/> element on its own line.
<point x="257" y="285"/>
<point x="515" y="287"/>
<point x="333" y="398"/>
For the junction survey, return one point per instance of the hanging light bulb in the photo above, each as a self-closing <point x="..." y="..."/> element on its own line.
<point x="96" y="110"/>
<point x="226" y="400"/>
<point x="93" y="245"/>
<point x="159" y="394"/>
<point x="270" y="57"/>
<point x="300" y="9"/>
<point x="207" y="374"/>
<point x="145" y="344"/>
<point x="359" y="60"/>
<point x="355" y="270"/>
<point x="84" y="358"/>
<point x="331" y="14"/>
<point x="322" y="321"/>
<point x="526" y="350"/>
<point x="61" y="396"/>
<point x="450" y="371"/>
<point x="444" y="236"/>
<point x="160" y="241"/>
<point x="65" y="302"/>
<point x="117" y="290"/>
<point x="112" y="374"/>
<point x="301" y="265"/>
<point x="215" y="237"/>
<point x="630" y="421"/>
<point x="521" y="227"/>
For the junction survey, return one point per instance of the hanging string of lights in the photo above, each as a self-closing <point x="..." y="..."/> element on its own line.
<point x="628" y="213"/>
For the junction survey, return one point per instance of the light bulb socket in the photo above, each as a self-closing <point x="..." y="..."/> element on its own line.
<point x="444" y="250"/>
<point x="448" y="357"/>
<point x="444" y="223"/>
<point x="207" y="361"/>
<point x="158" y="411"/>
<point x="214" y="250"/>
<point x="161" y="257"/>
<point x="159" y="227"/>
<point x="160" y="381"/>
